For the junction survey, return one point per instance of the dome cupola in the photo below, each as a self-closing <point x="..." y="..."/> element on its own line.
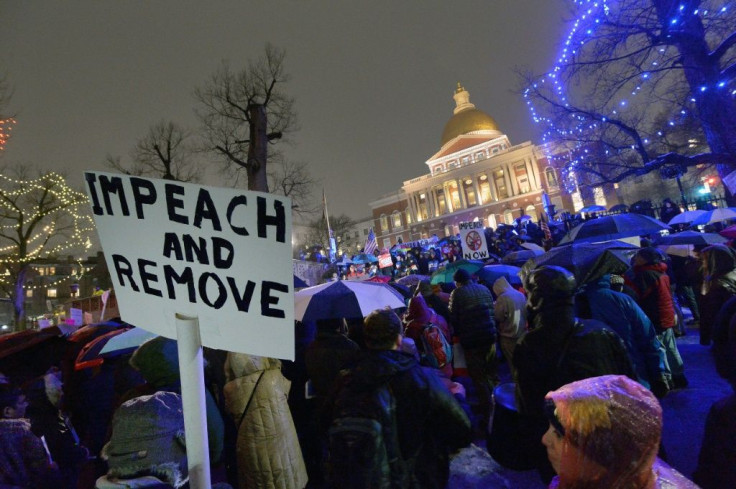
<point x="467" y="119"/>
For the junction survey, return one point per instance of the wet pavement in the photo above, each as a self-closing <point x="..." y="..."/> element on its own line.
<point x="684" y="410"/>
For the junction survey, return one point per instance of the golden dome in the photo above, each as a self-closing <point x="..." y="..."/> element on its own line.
<point x="466" y="118"/>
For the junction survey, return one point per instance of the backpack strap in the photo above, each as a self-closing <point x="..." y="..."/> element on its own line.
<point x="252" y="395"/>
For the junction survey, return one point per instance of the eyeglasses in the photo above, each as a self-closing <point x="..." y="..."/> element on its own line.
<point x="551" y="411"/>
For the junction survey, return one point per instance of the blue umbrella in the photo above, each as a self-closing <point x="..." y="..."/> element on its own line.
<point x="299" y="283"/>
<point x="364" y="258"/>
<point x="613" y="227"/>
<point x="491" y="273"/>
<point x="444" y="274"/>
<point x="344" y="299"/>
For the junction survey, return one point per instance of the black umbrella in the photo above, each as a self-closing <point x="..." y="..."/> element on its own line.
<point x="518" y="258"/>
<point x="587" y="261"/>
<point x="613" y="227"/>
<point x="690" y="238"/>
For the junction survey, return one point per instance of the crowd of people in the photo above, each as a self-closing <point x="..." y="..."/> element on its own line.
<point x="384" y="401"/>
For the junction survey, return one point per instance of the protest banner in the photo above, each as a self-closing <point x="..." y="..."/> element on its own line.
<point x="473" y="241"/>
<point x="205" y="266"/>
<point x="384" y="260"/>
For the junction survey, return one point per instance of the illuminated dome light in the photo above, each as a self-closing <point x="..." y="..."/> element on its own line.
<point x="467" y="119"/>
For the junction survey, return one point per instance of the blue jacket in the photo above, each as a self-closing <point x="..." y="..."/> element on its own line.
<point x="622" y="314"/>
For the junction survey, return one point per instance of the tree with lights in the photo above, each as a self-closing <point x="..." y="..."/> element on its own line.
<point x="631" y="75"/>
<point x="39" y="217"/>
<point x="6" y="120"/>
<point x="167" y="152"/>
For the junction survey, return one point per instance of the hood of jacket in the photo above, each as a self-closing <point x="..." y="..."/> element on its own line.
<point x="377" y="367"/>
<point x="657" y="267"/>
<point x="602" y="283"/>
<point x="158" y="361"/>
<point x="500" y="286"/>
<point x="719" y="260"/>
<point x="419" y="310"/>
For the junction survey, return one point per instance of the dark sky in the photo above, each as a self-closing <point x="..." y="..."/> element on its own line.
<point x="373" y="81"/>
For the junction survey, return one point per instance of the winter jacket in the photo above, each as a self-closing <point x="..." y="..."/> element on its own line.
<point x="651" y="284"/>
<point x="419" y="316"/>
<point x="717" y="460"/>
<point x="430" y="422"/>
<point x="23" y="460"/>
<point x="719" y="286"/>
<point x="326" y="356"/>
<point x="621" y="313"/>
<point x="471" y="309"/>
<point x="268" y="451"/>
<point x="509" y="309"/>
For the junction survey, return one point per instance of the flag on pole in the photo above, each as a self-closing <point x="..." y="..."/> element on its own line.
<point x="330" y="236"/>
<point x="371" y="243"/>
<point x="544" y="226"/>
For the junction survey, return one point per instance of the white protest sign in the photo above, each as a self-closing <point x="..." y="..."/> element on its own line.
<point x="473" y="241"/>
<point x="220" y="255"/>
<point x="76" y="315"/>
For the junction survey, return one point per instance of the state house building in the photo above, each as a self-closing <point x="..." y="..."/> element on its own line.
<point x="477" y="175"/>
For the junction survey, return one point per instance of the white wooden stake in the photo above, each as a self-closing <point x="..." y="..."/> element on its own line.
<point x="191" y="370"/>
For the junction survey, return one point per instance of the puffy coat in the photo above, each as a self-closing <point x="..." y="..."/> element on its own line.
<point x="418" y="317"/>
<point x="651" y="285"/>
<point x="510" y="309"/>
<point x="471" y="309"/>
<point x="268" y="452"/>
<point x="719" y="263"/>
<point x="622" y="314"/>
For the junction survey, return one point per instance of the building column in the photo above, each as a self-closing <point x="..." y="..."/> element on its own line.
<point x="476" y="188"/>
<point x="531" y="164"/>
<point x="435" y="202"/>
<point x="430" y="204"/>
<point x="461" y="192"/>
<point x="511" y="188"/>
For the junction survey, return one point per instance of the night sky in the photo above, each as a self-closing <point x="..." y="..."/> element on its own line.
<point x="373" y="81"/>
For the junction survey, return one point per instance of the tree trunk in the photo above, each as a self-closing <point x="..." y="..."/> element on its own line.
<point x="258" y="149"/>
<point x="19" y="300"/>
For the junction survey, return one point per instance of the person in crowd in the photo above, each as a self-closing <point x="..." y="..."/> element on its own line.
<point x="622" y="314"/>
<point x="24" y="462"/>
<point x="157" y="360"/>
<point x="510" y="314"/>
<point x="684" y="268"/>
<point x="605" y="432"/>
<point x="433" y="299"/>
<point x="471" y="310"/>
<point x="433" y="261"/>
<point x="268" y="450"/>
<point x="330" y="353"/>
<point x="429" y="421"/>
<point x="651" y="285"/>
<point x="558" y="349"/>
<point x="669" y="210"/>
<point x="719" y="285"/>
<point x="716" y="462"/>
<point x="51" y="424"/>
<point x="419" y="316"/>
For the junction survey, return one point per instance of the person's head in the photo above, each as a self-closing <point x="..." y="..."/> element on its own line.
<point x="331" y="325"/>
<point x="604" y="432"/>
<point x="549" y="286"/>
<point x="382" y="330"/>
<point x="718" y="260"/>
<point x="424" y="288"/>
<point x="647" y="256"/>
<point x="13" y="402"/>
<point x="461" y="277"/>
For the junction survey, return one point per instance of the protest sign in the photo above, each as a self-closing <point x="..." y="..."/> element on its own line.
<point x="384" y="260"/>
<point x="220" y="255"/>
<point x="473" y="241"/>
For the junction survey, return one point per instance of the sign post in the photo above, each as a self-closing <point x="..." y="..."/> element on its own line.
<point x="205" y="266"/>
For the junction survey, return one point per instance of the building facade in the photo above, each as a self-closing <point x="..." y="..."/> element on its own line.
<point x="477" y="175"/>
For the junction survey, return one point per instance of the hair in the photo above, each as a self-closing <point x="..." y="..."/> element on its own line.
<point x="381" y="328"/>
<point x="9" y="396"/>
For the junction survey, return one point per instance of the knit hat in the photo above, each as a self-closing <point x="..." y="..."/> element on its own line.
<point x="148" y="439"/>
<point x="461" y="276"/>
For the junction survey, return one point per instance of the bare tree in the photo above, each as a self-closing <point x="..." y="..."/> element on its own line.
<point x="343" y="228"/>
<point x="167" y="151"/>
<point x="6" y="118"/>
<point x="39" y="216"/>
<point x="243" y="111"/>
<point x="292" y="179"/>
<point x="631" y="72"/>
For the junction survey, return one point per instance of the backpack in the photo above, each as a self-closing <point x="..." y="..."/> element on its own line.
<point x="437" y="351"/>
<point x="363" y="444"/>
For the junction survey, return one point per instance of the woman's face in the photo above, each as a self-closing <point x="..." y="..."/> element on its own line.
<point x="568" y="461"/>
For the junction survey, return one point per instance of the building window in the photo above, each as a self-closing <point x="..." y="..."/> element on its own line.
<point x="448" y="230"/>
<point x="466" y="160"/>
<point x="531" y="211"/>
<point x="441" y="200"/>
<point x="384" y="223"/>
<point x="551" y="176"/>
<point x="599" y="196"/>
<point x="508" y="216"/>
<point x="365" y="232"/>
<point x="408" y="216"/>
<point x="51" y="271"/>
<point x="29" y="293"/>
<point x="453" y="164"/>
<point x="396" y="220"/>
<point x="522" y="178"/>
<point x="51" y="293"/>
<point x="481" y="155"/>
<point x="387" y="242"/>
<point x="469" y="190"/>
<point x="423" y="209"/>
<point x="484" y="187"/>
<point x="454" y="196"/>
<point x="492" y="221"/>
<point x="500" y="182"/>
<point x="495" y="150"/>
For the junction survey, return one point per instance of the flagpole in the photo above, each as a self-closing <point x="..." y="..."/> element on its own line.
<point x="330" y="239"/>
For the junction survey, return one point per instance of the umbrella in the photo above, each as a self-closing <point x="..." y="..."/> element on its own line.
<point x="729" y="232"/>
<point x="520" y="257"/>
<point x="299" y="283"/>
<point x="619" y="208"/>
<point x="690" y="238"/>
<point x="593" y="208"/>
<point x="685" y="217"/>
<point x="345" y="261"/>
<point x="613" y="227"/>
<point x="491" y="273"/>
<point x="716" y="215"/>
<point x="364" y="258"/>
<point x="682" y="250"/>
<point x="532" y="246"/>
<point x="405" y="291"/>
<point x="587" y="261"/>
<point x="412" y="280"/>
<point x="381" y="279"/>
<point x="344" y="299"/>
<point x="112" y="344"/>
<point x="444" y="274"/>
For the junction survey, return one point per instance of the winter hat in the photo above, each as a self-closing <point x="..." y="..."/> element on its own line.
<point x="617" y="280"/>
<point x="148" y="439"/>
<point x="158" y="361"/>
